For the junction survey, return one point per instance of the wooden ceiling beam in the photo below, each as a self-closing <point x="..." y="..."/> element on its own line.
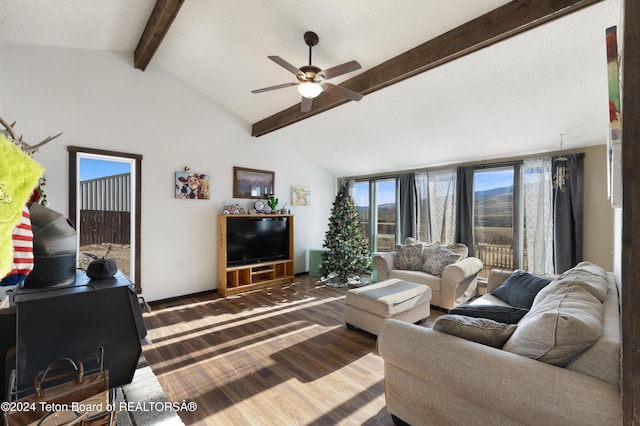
<point x="160" y="20"/>
<point x="630" y="231"/>
<point x="506" y="21"/>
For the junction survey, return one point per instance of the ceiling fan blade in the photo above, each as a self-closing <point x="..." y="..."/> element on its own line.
<point x="305" y="105"/>
<point x="340" y="69"/>
<point x="279" y="86"/>
<point x="339" y="90"/>
<point x="286" y="65"/>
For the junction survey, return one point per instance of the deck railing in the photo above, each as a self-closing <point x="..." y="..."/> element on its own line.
<point x="494" y="256"/>
<point x="497" y="257"/>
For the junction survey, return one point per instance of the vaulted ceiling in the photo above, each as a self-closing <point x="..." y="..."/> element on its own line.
<point x="514" y="97"/>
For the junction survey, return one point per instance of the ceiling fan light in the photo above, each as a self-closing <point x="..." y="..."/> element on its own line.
<point x="309" y="90"/>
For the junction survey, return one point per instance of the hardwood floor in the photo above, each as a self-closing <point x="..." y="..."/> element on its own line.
<point x="275" y="356"/>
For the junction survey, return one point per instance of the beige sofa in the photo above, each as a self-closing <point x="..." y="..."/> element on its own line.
<point x="456" y="285"/>
<point x="433" y="378"/>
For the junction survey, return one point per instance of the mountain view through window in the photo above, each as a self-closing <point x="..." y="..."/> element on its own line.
<point x="494" y="218"/>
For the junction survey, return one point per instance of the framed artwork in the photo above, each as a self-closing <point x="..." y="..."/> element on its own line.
<point x="252" y="183"/>
<point x="192" y="186"/>
<point x="614" y="142"/>
<point x="300" y="196"/>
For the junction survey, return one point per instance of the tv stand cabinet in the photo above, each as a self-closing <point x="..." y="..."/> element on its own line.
<point x="241" y="278"/>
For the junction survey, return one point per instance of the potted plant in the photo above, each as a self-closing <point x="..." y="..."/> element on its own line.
<point x="273" y="203"/>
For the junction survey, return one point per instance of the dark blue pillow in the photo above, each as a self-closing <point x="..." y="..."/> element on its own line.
<point x="520" y="289"/>
<point x="498" y="313"/>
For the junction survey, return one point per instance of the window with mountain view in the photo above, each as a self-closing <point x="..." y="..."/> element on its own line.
<point x="497" y="227"/>
<point x="380" y="222"/>
<point x="512" y="211"/>
<point x="386" y="215"/>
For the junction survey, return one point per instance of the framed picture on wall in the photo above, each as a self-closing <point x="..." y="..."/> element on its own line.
<point x="614" y="142"/>
<point x="252" y="183"/>
<point x="192" y="186"/>
<point x="300" y="196"/>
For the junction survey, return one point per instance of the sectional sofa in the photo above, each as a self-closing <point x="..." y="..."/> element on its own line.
<point x="558" y="365"/>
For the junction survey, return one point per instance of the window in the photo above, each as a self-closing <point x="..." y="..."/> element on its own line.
<point x="386" y="215"/>
<point x="497" y="229"/>
<point x="512" y="212"/>
<point x="380" y="223"/>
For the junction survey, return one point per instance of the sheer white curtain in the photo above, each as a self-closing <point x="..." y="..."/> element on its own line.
<point x="538" y="214"/>
<point x="422" y="210"/>
<point x="436" y="205"/>
<point x="351" y="186"/>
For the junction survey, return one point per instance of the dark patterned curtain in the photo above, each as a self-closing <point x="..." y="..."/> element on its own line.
<point x="464" y="209"/>
<point x="408" y="212"/>
<point x="568" y="215"/>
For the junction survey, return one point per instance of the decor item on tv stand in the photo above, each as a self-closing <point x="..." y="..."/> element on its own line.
<point x="254" y="251"/>
<point x="273" y="203"/>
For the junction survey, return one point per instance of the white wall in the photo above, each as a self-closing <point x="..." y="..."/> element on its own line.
<point x="100" y="101"/>
<point x="617" y="245"/>
<point x="2" y="76"/>
<point x="598" y="215"/>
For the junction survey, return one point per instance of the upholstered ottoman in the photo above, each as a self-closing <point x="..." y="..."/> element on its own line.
<point x="367" y="308"/>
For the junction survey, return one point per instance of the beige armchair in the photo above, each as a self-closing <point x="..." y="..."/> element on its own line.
<point x="457" y="284"/>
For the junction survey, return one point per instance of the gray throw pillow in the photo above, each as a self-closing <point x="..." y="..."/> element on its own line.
<point x="479" y="330"/>
<point x="409" y="257"/>
<point x="504" y="314"/>
<point x="520" y="289"/>
<point x="439" y="259"/>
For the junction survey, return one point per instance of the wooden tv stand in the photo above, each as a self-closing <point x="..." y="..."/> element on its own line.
<point x="238" y="279"/>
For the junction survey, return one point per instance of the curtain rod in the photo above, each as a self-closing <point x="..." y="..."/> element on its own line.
<point x="479" y="165"/>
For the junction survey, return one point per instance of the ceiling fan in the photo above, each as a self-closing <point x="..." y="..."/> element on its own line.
<point x="311" y="79"/>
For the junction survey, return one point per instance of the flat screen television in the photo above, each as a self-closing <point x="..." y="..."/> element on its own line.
<point x="257" y="239"/>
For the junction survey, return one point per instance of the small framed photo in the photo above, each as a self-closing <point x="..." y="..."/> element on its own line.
<point x="252" y="183"/>
<point x="192" y="186"/>
<point x="300" y="196"/>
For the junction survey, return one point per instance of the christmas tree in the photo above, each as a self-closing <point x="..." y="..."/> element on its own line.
<point x="348" y="253"/>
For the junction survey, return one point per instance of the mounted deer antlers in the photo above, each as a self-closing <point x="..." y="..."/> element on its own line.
<point x="27" y="148"/>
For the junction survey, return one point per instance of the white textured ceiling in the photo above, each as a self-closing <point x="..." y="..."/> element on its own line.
<point x="512" y="98"/>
